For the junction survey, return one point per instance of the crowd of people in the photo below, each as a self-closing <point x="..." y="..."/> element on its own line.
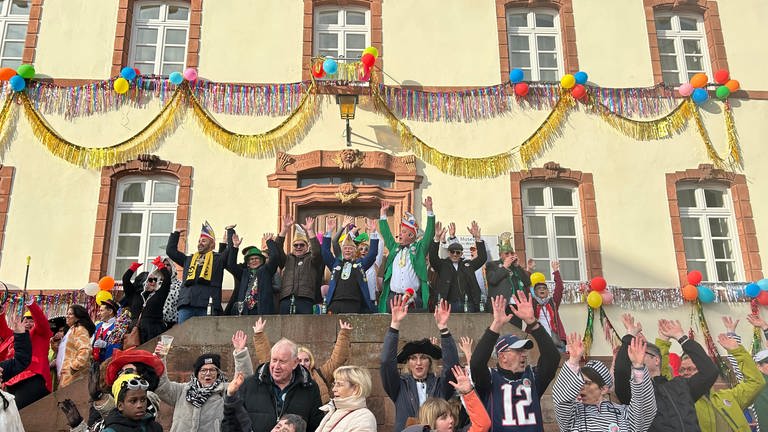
<point x="644" y="388"/>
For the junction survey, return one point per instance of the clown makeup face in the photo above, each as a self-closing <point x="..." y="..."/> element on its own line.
<point x="205" y="244"/>
<point x="254" y="261"/>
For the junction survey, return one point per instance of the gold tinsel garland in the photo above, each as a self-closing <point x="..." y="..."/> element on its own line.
<point x="730" y="130"/>
<point x="489" y="166"/>
<point x="548" y="131"/>
<point x="664" y="127"/>
<point x="7" y="117"/>
<point x="143" y="142"/>
<point x="711" y="152"/>
<point x="280" y="138"/>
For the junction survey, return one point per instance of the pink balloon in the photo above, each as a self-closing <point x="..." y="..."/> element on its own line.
<point x="685" y="89"/>
<point x="607" y="297"/>
<point x="190" y="74"/>
<point x="324" y="290"/>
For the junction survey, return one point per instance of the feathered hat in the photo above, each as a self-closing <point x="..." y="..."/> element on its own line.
<point x="409" y="221"/>
<point x="207" y="231"/>
<point x="505" y="242"/>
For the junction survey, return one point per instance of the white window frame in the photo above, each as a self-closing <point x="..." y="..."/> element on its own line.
<point x="161" y="25"/>
<point x="704" y="213"/>
<point x="677" y="36"/>
<point x="146" y="208"/>
<point x="549" y="211"/>
<point x="7" y="19"/>
<point x="532" y="31"/>
<point x="341" y="29"/>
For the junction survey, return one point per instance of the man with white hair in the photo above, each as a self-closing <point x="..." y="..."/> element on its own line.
<point x="280" y="386"/>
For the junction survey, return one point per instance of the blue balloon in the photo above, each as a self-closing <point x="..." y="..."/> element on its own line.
<point x="128" y="73"/>
<point x="18" y="83"/>
<point x="752" y="290"/>
<point x="330" y="66"/>
<point x="706" y="295"/>
<point x="762" y="283"/>
<point x="581" y="77"/>
<point x="700" y="96"/>
<point x="176" y="78"/>
<point x="516" y="75"/>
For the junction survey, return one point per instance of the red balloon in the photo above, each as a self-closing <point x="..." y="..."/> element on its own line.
<point x="368" y="59"/>
<point x="365" y="75"/>
<point x="722" y="76"/>
<point x="762" y="298"/>
<point x="690" y="292"/>
<point x="317" y="70"/>
<point x="598" y="284"/>
<point x="579" y="91"/>
<point x="694" y="277"/>
<point x="521" y="89"/>
<point x="138" y="72"/>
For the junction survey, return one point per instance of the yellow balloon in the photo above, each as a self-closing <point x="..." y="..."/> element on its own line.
<point x="103" y="296"/>
<point x="371" y="50"/>
<point x="568" y="81"/>
<point x="121" y="85"/>
<point x="594" y="300"/>
<point x="537" y="278"/>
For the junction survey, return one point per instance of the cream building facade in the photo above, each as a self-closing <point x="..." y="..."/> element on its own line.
<point x="56" y="212"/>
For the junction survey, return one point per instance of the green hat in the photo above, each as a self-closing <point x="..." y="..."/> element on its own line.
<point x="505" y="242"/>
<point x="251" y="251"/>
<point x="362" y="238"/>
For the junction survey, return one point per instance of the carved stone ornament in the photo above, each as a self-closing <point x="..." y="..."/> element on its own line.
<point x="346" y="193"/>
<point x="349" y="159"/>
<point x="284" y="159"/>
<point x="147" y="162"/>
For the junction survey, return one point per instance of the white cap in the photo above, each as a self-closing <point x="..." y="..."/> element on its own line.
<point x="762" y="356"/>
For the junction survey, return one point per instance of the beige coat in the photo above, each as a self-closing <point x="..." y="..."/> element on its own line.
<point x="347" y="414"/>
<point x="322" y="375"/>
<point x="77" y="356"/>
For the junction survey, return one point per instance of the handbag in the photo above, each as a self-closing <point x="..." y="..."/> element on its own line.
<point x="132" y="339"/>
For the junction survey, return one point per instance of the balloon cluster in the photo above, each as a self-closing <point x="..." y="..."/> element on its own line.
<point x="598" y="295"/>
<point x="696" y="88"/>
<point x="694" y="291"/>
<point x="176" y="78"/>
<point x="330" y="66"/>
<point x="759" y="291"/>
<point x="101" y="289"/>
<point x="123" y="82"/>
<point x="516" y="77"/>
<point x="575" y="83"/>
<point x="17" y="78"/>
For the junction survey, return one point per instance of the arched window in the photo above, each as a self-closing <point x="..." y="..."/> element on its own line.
<point x="14" y="19"/>
<point x="145" y="213"/>
<point x="159" y="37"/>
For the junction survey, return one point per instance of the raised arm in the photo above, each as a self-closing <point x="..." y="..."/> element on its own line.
<point x="42" y="327"/>
<point x="746" y="391"/>
<point x="373" y="250"/>
<point x="622" y="367"/>
<point x="568" y="383"/>
<point x="390" y="377"/>
<point x="701" y="382"/>
<point x="549" y="356"/>
<point x="328" y="258"/>
<point x="261" y="344"/>
<point x="642" y="408"/>
<point x="231" y="266"/>
<point x="240" y="354"/>
<point x="478" y="416"/>
<point x="482" y="255"/>
<point x="478" y="364"/>
<point x="340" y="352"/>
<point x="448" y="344"/>
<point x="22" y="346"/>
<point x="386" y="233"/>
<point x="557" y="296"/>
<point x="172" y="249"/>
<point x="129" y="288"/>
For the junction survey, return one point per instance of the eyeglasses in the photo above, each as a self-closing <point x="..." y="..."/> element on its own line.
<point x="208" y="371"/>
<point x="136" y="384"/>
<point x="151" y="279"/>
<point x="299" y="245"/>
<point x="456" y="252"/>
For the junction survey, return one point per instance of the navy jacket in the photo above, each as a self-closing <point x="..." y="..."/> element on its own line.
<point x="264" y="275"/>
<point x="334" y="264"/>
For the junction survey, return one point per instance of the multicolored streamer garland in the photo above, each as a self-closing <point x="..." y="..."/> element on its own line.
<point x="725" y="369"/>
<point x="757" y="332"/>
<point x="54" y="305"/>
<point x="589" y="331"/>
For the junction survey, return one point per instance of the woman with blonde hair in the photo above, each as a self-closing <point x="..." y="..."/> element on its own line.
<point x="347" y="410"/>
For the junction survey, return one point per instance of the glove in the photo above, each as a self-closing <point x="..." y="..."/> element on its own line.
<point x="135" y="266"/>
<point x="70" y="411"/>
<point x="158" y="262"/>
<point x="94" y="390"/>
<point x="99" y="343"/>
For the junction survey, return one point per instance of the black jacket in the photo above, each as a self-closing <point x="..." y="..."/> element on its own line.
<point x="22" y="347"/>
<point x="132" y="292"/>
<point x="264" y="275"/>
<point x="256" y="402"/>
<point x="675" y="398"/>
<point x="195" y="292"/>
<point x="151" y="322"/>
<point x="117" y="423"/>
<point x="453" y="284"/>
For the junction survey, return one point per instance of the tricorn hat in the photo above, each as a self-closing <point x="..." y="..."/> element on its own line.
<point x="423" y="346"/>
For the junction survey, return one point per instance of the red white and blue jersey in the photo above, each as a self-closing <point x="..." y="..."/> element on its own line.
<point x="513" y="405"/>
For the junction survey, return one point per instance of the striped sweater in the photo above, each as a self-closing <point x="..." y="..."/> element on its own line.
<point x="573" y="415"/>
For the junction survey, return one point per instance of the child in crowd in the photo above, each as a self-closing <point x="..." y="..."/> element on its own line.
<point x="130" y="393"/>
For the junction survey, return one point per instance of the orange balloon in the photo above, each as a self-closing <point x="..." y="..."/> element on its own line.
<point x="733" y="85"/>
<point x="106" y="283"/>
<point x="6" y="74"/>
<point x="690" y="292"/>
<point x="699" y="80"/>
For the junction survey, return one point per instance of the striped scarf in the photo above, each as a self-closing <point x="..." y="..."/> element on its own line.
<point x="197" y="395"/>
<point x="207" y="271"/>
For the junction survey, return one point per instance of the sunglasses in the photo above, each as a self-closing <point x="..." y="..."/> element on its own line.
<point x="151" y="279"/>
<point x="456" y="252"/>
<point x="136" y="384"/>
<point x="299" y="245"/>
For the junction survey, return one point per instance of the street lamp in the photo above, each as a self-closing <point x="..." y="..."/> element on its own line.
<point x="347" y="104"/>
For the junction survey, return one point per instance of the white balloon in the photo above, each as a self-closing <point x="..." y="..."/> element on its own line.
<point x="91" y="289"/>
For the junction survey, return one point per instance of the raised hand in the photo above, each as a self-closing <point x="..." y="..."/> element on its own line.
<point x="287" y="225"/>
<point x="633" y="328"/>
<point x="462" y="384"/>
<point x="428" y="203"/>
<point x="524" y="308"/>
<point x="399" y="311"/>
<point x="757" y="321"/>
<point x="442" y="314"/>
<point x="575" y="347"/>
<point x="385" y="205"/>
<point x="235" y="384"/>
<point x="259" y="326"/>
<point x="17" y="326"/>
<point x="236" y="240"/>
<point x="474" y="229"/>
<point x="348" y="220"/>
<point x="439" y="231"/>
<point x="229" y="227"/>
<point x="160" y="350"/>
<point x="309" y="225"/>
<point x="71" y="413"/>
<point x="508" y="261"/>
<point x="451" y="230"/>
<point x="730" y="324"/>
<point x="267" y="237"/>
<point x="239" y="340"/>
<point x="330" y="224"/>
<point x="500" y="316"/>
<point x="727" y="342"/>
<point x="636" y="351"/>
<point x="434" y="341"/>
<point x="530" y="265"/>
<point x="465" y="345"/>
<point x="555" y="266"/>
<point x="670" y="329"/>
<point x="345" y="325"/>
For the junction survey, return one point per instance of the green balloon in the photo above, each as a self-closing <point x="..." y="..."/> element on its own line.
<point x="722" y="92"/>
<point x="26" y="71"/>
